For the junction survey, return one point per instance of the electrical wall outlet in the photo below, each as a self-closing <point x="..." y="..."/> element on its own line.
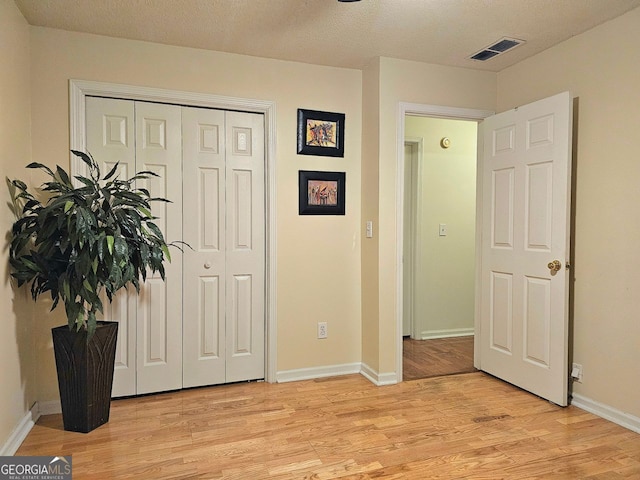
<point x="322" y="329"/>
<point x="576" y="372"/>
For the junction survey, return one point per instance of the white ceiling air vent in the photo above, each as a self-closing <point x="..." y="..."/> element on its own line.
<point x="503" y="45"/>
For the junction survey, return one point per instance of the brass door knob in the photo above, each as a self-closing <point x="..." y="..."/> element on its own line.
<point x="554" y="266"/>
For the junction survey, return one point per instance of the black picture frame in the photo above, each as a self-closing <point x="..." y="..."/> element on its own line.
<point x="320" y="133"/>
<point x="321" y="193"/>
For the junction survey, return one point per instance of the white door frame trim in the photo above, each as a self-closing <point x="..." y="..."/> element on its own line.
<point x="436" y="111"/>
<point x="417" y="222"/>
<point x="80" y="89"/>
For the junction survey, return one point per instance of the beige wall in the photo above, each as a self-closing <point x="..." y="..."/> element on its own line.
<point x="601" y="69"/>
<point x="318" y="257"/>
<point x="17" y="373"/>
<point x="370" y="166"/>
<point x="404" y="81"/>
<point x="445" y="265"/>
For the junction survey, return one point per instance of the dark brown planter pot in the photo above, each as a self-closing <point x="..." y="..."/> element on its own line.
<point x="85" y="375"/>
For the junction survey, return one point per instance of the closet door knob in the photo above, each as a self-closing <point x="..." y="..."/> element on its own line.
<point x="207" y="265"/>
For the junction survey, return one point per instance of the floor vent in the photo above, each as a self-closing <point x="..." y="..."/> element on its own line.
<point x="503" y="45"/>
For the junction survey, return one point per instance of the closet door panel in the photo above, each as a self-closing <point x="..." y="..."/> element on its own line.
<point x="204" y="230"/>
<point x="245" y="252"/>
<point x="159" y="326"/>
<point x="111" y="140"/>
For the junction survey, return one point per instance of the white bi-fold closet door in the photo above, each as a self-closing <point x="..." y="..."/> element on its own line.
<point x="205" y="324"/>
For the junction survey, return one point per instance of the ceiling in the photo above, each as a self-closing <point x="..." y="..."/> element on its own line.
<point x="327" y="32"/>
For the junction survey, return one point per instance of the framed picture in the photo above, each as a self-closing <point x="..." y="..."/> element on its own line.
<point x="320" y="133"/>
<point x="321" y="193"/>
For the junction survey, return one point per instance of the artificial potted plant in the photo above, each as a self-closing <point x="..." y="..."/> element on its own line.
<point x="78" y="243"/>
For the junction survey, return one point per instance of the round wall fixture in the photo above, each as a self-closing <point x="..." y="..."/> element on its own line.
<point x="445" y="142"/>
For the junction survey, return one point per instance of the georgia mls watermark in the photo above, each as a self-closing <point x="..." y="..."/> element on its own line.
<point x="35" y="468"/>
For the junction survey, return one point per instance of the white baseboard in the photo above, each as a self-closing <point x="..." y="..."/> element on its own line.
<point x="49" y="408"/>
<point x="614" y="415"/>
<point x="317" y="372"/>
<point x="376" y="378"/>
<point x="453" y="332"/>
<point x="20" y="433"/>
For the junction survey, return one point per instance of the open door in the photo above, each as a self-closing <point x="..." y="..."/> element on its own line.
<point x="524" y="294"/>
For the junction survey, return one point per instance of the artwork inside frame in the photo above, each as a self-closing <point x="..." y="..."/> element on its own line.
<point x="320" y="133"/>
<point x="321" y="193"/>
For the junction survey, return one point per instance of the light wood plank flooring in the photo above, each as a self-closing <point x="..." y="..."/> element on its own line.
<point x="436" y="357"/>
<point x="469" y="426"/>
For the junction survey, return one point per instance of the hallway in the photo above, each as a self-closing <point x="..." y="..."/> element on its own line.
<point x="437" y="357"/>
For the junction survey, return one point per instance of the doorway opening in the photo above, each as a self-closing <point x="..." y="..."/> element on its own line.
<point x="437" y="211"/>
<point x="439" y="246"/>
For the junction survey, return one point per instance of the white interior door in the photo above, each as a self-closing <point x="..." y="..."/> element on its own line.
<point x="245" y="246"/>
<point x="159" y="315"/>
<point x="525" y="211"/>
<point x="111" y="139"/>
<point x="204" y="264"/>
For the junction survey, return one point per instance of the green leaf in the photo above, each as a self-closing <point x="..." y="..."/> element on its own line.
<point x="165" y="250"/>
<point x="110" y="242"/>
<point x="83" y="263"/>
<point x="92" y="324"/>
<point x="131" y="196"/>
<point x="81" y="223"/>
<point x="112" y="171"/>
<point x="147" y="213"/>
<point x="144" y="253"/>
<point x="120" y="247"/>
<point x="144" y="174"/>
<point x="84" y="157"/>
<point x="19" y="184"/>
<point x="63" y="176"/>
<point x="156" y="231"/>
<point x="41" y="166"/>
<point x="29" y="264"/>
<point x="97" y="304"/>
<point x="67" y="206"/>
<point x="100" y="247"/>
<point x="86" y="181"/>
<point x="80" y="318"/>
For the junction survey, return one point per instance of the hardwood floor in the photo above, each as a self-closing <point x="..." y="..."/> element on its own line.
<point x="469" y="426"/>
<point x="433" y="358"/>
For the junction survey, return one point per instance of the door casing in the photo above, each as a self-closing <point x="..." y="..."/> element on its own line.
<point x="80" y="89"/>
<point x="436" y="111"/>
<point x="412" y="232"/>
